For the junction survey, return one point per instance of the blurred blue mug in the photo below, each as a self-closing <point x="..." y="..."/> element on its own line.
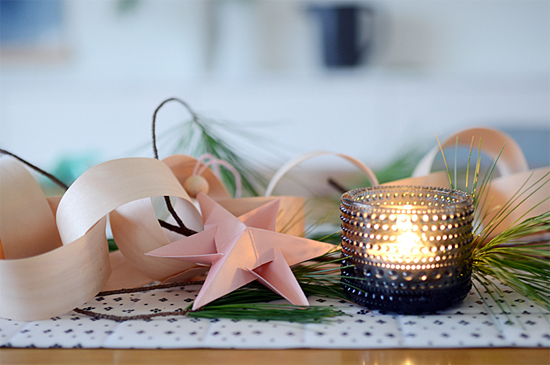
<point x="342" y="38"/>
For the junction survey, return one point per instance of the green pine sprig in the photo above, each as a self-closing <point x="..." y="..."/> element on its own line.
<point x="198" y="136"/>
<point x="509" y="257"/>
<point x="268" y="312"/>
<point x="252" y="302"/>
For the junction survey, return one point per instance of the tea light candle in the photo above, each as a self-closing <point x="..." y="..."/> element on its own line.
<point x="406" y="249"/>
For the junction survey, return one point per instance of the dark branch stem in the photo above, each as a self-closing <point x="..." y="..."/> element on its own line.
<point x="48" y="175"/>
<point x="178" y="229"/>
<point x="177" y="312"/>
<point x="182" y="228"/>
<point x="193" y="115"/>
<point x="333" y="183"/>
<point x="129" y="318"/>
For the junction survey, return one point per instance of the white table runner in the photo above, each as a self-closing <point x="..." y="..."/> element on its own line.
<point x="472" y="324"/>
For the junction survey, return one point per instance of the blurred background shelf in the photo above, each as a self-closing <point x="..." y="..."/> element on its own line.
<point x="433" y="67"/>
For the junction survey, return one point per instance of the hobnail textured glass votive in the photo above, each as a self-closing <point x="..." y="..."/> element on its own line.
<point x="406" y="249"/>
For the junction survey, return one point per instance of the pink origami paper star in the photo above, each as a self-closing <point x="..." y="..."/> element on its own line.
<point x="242" y="250"/>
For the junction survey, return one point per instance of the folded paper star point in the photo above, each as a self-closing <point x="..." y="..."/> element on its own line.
<point x="242" y="250"/>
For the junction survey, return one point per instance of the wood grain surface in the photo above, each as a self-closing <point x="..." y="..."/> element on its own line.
<point x="500" y="356"/>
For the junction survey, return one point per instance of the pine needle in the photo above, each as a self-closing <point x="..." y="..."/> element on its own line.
<point x="456" y="161"/>
<point x="400" y="167"/>
<point x="268" y="312"/>
<point x="207" y="140"/>
<point x="507" y="257"/>
<point x="445" y="161"/>
<point x="468" y="166"/>
<point x="199" y="136"/>
<point x="252" y="301"/>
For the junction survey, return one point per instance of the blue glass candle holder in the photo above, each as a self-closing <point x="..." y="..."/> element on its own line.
<point x="406" y="249"/>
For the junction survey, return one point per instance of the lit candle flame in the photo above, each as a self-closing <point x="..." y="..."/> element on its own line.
<point x="407" y="240"/>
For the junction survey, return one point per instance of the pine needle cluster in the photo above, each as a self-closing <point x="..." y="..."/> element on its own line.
<point x="518" y="255"/>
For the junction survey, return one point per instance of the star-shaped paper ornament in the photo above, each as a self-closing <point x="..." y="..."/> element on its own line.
<point x="242" y="250"/>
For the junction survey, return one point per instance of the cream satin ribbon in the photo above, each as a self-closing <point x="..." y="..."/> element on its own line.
<point x="47" y="271"/>
<point x="431" y="179"/>
<point x="512" y="166"/>
<point x="311" y="155"/>
<point x="514" y="171"/>
<point x="291" y="208"/>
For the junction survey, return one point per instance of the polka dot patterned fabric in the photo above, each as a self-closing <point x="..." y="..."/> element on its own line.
<point x="472" y="324"/>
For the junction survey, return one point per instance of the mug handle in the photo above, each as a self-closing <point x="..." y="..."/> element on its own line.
<point x="369" y="13"/>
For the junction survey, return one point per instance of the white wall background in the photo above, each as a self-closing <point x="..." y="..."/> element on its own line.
<point x="437" y="66"/>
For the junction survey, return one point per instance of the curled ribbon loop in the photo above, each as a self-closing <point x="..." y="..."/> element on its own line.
<point x="48" y="270"/>
<point x="308" y="156"/>
<point x="511" y="161"/>
<point x="208" y="160"/>
<point x="516" y="183"/>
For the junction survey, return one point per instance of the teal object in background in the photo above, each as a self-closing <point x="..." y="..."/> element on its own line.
<point x="68" y="168"/>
